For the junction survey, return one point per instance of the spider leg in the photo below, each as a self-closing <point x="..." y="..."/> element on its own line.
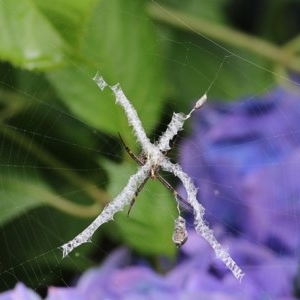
<point x="138" y="190"/>
<point x="140" y="163"/>
<point x="170" y="188"/>
<point x="131" y="154"/>
<point x="172" y="144"/>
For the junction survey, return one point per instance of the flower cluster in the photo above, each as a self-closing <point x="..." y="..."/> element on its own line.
<point x="245" y="159"/>
<point x="198" y="276"/>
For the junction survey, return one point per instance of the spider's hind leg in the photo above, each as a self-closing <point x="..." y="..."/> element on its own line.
<point x="138" y="190"/>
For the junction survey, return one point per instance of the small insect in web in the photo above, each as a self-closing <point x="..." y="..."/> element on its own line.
<point x="180" y="234"/>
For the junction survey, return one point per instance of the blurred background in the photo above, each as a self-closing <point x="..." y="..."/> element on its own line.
<point x="61" y="160"/>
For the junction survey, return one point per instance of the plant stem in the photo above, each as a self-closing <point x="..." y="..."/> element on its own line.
<point x="96" y="194"/>
<point x="55" y="200"/>
<point x="224" y="34"/>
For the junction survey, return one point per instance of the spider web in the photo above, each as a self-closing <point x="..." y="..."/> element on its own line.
<point x="54" y="161"/>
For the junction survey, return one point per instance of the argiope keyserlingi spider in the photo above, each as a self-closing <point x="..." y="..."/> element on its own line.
<point x="153" y="158"/>
<point x="180" y="234"/>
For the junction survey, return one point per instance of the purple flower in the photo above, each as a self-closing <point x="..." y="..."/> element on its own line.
<point x="267" y="275"/>
<point x="20" y="292"/>
<point x="198" y="276"/>
<point x="245" y="159"/>
<point x="115" y="281"/>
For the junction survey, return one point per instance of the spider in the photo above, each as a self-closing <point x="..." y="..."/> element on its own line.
<point x="151" y="160"/>
<point x="153" y="174"/>
<point x="180" y="234"/>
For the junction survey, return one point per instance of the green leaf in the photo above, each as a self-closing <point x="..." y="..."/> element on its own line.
<point x="212" y="10"/>
<point x="30" y="247"/>
<point x="68" y="17"/>
<point x="81" y="94"/>
<point x="19" y="194"/>
<point x="227" y="76"/>
<point x="119" y="42"/>
<point x="150" y="226"/>
<point x="27" y="38"/>
<point x="42" y="34"/>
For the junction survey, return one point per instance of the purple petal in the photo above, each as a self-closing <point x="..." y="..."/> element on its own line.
<point x="244" y="159"/>
<point x="20" y="292"/>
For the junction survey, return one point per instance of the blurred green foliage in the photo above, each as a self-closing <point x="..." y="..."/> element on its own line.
<point x="58" y="130"/>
